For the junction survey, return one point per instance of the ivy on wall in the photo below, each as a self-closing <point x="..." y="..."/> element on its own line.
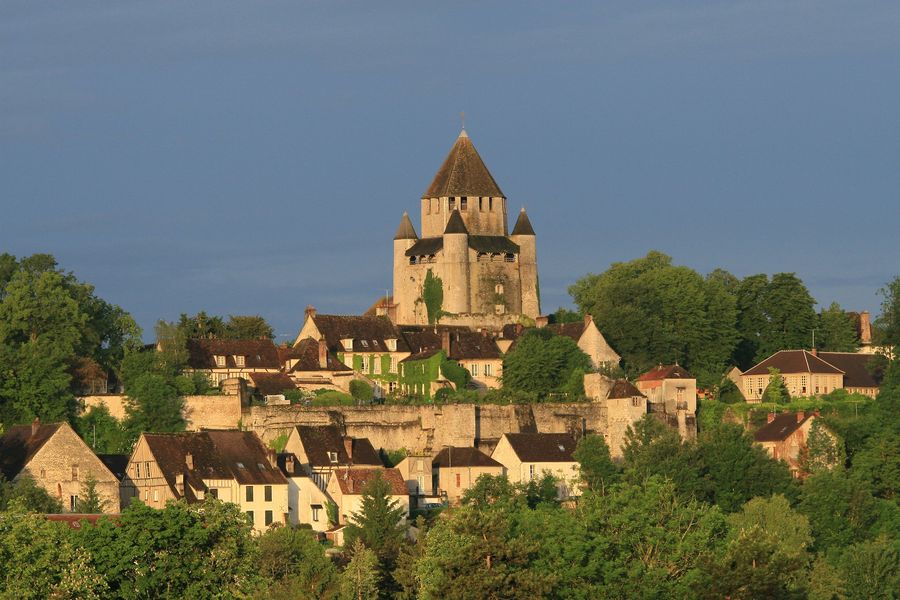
<point x="433" y="296"/>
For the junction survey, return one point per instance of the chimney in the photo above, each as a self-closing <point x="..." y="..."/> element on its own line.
<point x="289" y="464"/>
<point x="445" y="342"/>
<point x="273" y="458"/>
<point x="323" y="354"/>
<point x="348" y="446"/>
<point x="814" y="352"/>
<point x="770" y="417"/>
<point x="310" y="312"/>
<point x="865" y="329"/>
<point x="35" y="425"/>
<point x="189" y="461"/>
<point x="800" y="416"/>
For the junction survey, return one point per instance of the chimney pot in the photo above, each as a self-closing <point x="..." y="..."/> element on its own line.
<point x="35" y="425"/>
<point x="770" y="417"/>
<point x="289" y="464"/>
<point x="348" y="446"/>
<point x="310" y="311"/>
<point x="323" y="354"/>
<point x="189" y="461"/>
<point x="800" y="416"/>
<point x="865" y="328"/>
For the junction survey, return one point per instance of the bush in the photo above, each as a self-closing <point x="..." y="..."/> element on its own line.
<point x="361" y="391"/>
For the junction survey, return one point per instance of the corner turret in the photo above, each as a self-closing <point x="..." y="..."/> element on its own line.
<point x="523" y="235"/>
<point x="456" y="265"/>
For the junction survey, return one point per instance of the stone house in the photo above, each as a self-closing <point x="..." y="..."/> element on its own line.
<point x="670" y="385"/>
<point x="785" y="436"/>
<point x="415" y="469"/>
<point x="487" y="275"/>
<point x="307" y="503"/>
<point x="227" y="359"/>
<point x="59" y="461"/>
<point x="475" y="351"/>
<point x="529" y="456"/>
<point x="232" y="466"/>
<point x="312" y="366"/>
<point x="347" y="487"/>
<point x="322" y="449"/>
<point x="625" y="406"/>
<point x="857" y="377"/>
<point x="372" y="346"/>
<point x="804" y="373"/>
<point x="457" y="469"/>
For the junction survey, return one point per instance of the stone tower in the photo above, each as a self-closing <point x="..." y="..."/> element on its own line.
<point x="487" y="277"/>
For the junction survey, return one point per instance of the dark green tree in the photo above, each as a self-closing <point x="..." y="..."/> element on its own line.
<point x="294" y="565"/>
<point x="595" y="465"/>
<point x="361" y="391"/>
<point x="836" y="331"/>
<point x="28" y="496"/>
<point x="361" y="577"/>
<point x="871" y="569"/>
<point x="790" y="316"/>
<point x="887" y="325"/>
<point x="102" y="432"/>
<point x="433" y="297"/>
<point x="89" y="500"/>
<point x="840" y="509"/>
<point x="543" y="363"/>
<point x="247" y="327"/>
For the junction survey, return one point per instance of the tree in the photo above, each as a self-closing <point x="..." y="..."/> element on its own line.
<point x="28" y="496"/>
<point x="823" y="450"/>
<point x="872" y="569"/>
<point x="775" y="518"/>
<point x="840" y="509"/>
<point x="361" y="577"/>
<point x="836" y="331"/>
<point x="103" y="432"/>
<point x="89" y="501"/>
<point x="595" y="465"/>
<point x="776" y="392"/>
<point x="294" y="564"/>
<point x="40" y="327"/>
<point x="361" y="391"/>
<point x="248" y="327"/>
<point x="564" y="315"/>
<point x="543" y="363"/>
<point x="887" y="325"/>
<point x="433" y="297"/>
<point x="790" y="317"/>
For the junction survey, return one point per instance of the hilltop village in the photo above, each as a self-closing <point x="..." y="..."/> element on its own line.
<point x="456" y="382"/>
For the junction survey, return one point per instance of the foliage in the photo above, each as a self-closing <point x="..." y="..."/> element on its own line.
<point x="872" y="569"/>
<point x="836" y="331"/>
<point x="89" y="501"/>
<point x="823" y="450"/>
<point x="331" y="511"/>
<point x="102" y="432"/>
<point x="455" y="373"/>
<point x="652" y="311"/>
<point x="433" y="297"/>
<point x="237" y="327"/>
<point x="887" y="325"/>
<point x="595" y="465"/>
<point x="776" y="392"/>
<point x="361" y="577"/>
<point x="279" y="443"/>
<point x="28" y="496"/>
<point x="564" y="315"/>
<point x="293" y="564"/>
<point x="841" y="509"/>
<point x="392" y="458"/>
<point x="182" y="551"/>
<point x="543" y="363"/>
<point x="40" y="561"/>
<point x="361" y="391"/>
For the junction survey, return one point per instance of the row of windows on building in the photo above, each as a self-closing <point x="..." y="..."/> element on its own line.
<point x="822" y="384"/>
<point x="480" y="257"/>
<point x="433" y="205"/>
<point x="239" y="360"/>
<point x="368" y="365"/>
<point x="487" y="369"/>
<point x="268" y="516"/>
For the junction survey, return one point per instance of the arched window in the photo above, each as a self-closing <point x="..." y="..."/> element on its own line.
<point x="482" y="256"/>
<point x="510" y="257"/>
<point x="412" y="260"/>
<point x="498" y="289"/>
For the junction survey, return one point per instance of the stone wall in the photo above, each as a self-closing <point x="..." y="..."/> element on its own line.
<point x="428" y="428"/>
<point x="115" y="403"/>
<point x="213" y="412"/>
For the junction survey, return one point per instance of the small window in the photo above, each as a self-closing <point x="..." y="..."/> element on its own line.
<point x="249" y="493"/>
<point x="73" y="503"/>
<point x="376" y="365"/>
<point x="147" y="467"/>
<point x="333" y="457"/>
<point x="463" y="203"/>
<point x="146" y="496"/>
<point x="250" y="516"/>
<point x="365" y="343"/>
<point x="315" y="512"/>
<point x="498" y="289"/>
<point x="269" y="517"/>
<point x="214" y="493"/>
<point x="267" y="492"/>
<point x="43" y="473"/>
<point x="74" y="472"/>
<point x="261" y="466"/>
<point x="510" y="257"/>
<point x="452" y="203"/>
<point x="481" y="204"/>
<point x="488" y="370"/>
<point x="220" y="361"/>
<point x="240" y="360"/>
<point x="393" y="364"/>
<point x="240" y="465"/>
<point x="499" y="309"/>
<point x="458" y="480"/>
<point x="156" y="495"/>
<point x="412" y="260"/>
<point x="474" y="369"/>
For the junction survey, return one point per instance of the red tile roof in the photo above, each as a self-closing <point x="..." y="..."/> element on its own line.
<point x="269" y="384"/>
<point x="793" y="361"/>
<point x="306" y="351"/>
<point x="368" y="333"/>
<point x="622" y="388"/>
<point x="665" y="372"/>
<point x="355" y="481"/>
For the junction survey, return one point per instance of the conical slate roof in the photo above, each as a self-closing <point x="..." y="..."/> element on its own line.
<point x="463" y="174"/>
<point x="455" y="224"/>
<point x="406" y="231"/>
<point x="523" y="225"/>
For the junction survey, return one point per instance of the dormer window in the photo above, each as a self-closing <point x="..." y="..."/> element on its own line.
<point x="391" y="344"/>
<point x="220" y="361"/>
<point x="365" y="344"/>
<point x="332" y="456"/>
<point x="239" y="360"/>
<point x="347" y="343"/>
<point x="240" y="465"/>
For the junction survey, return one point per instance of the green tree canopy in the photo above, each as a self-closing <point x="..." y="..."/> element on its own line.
<point x="595" y="465"/>
<point x="294" y="565"/>
<point x="836" y="331"/>
<point x="544" y="363"/>
<point x="887" y="325"/>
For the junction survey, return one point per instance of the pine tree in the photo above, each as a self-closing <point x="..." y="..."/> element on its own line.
<point x="360" y="578"/>
<point x="89" y="501"/>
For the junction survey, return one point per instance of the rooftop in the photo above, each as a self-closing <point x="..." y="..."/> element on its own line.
<point x="463" y="173"/>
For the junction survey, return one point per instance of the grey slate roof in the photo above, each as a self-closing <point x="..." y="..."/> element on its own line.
<point x="463" y="173"/>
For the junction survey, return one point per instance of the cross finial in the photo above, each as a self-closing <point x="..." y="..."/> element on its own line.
<point x="462" y="117"/>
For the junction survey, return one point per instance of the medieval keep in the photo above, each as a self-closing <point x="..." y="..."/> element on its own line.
<point x="466" y="269"/>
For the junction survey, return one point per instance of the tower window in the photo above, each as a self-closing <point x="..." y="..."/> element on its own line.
<point x="481" y="204"/>
<point x="452" y="203"/>
<point x="412" y="260"/>
<point x="498" y="289"/>
<point x="510" y="258"/>
<point x="490" y="204"/>
<point x="482" y="256"/>
<point x="463" y="203"/>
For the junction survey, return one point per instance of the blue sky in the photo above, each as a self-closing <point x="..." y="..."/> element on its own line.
<point x="241" y="157"/>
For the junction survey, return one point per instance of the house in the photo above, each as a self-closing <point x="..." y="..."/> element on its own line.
<point x="347" y="487"/>
<point x="321" y="449"/>
<point x="671" y="386"/>
<point x="226" y="359"/>
<point x="372" y="346"/>
<point x="311" y="366"/>
<point x="415" y="469"/>
<point x="785" y="436"/>
<point x="857" y="377"/>
<point x="307" y="503"/>
<point x="59" y="461"/>
<point x="529" y="456"/>
<point x="475" y="351"/>
<point x="232" y="466"/>
<point x="457" y="469"/>
<point x="625" y="406"/>
<point x="804" y="373"/>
